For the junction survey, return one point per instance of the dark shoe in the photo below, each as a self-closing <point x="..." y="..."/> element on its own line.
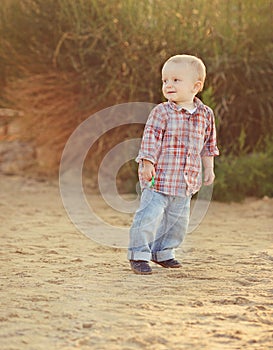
<point x="171" y="263"/>
<point x="141" y="267"/>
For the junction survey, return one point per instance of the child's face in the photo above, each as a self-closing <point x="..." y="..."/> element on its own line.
<point x="179" y="82"/>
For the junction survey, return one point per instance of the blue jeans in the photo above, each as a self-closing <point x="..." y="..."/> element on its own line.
<point x="159" y="226"/>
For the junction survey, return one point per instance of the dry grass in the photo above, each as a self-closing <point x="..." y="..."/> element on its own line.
<point x="51" y="112"/>
<point x="53" y="109"/>
<point x="115" y="49"/>
<point x="62" y="60"/>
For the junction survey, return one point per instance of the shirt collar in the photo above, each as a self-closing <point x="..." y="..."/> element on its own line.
<point x="198" y="104"/>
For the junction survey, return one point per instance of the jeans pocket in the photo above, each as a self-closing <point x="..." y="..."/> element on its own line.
<point x="146" y="198"/>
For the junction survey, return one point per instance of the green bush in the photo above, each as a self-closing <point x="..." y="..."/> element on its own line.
<point x="238" y="177"/>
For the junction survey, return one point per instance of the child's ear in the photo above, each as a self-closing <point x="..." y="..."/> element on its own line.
<point x="198" y="86"/>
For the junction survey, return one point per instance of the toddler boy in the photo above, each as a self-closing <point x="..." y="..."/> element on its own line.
<point x="178" y="137"/>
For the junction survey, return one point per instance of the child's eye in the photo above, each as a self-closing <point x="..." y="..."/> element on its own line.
<point x="176" y="80"/>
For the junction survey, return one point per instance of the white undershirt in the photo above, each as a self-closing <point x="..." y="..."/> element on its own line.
<point x="191" y="110"/>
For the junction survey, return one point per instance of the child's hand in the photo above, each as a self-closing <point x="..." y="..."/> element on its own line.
<point x="148" y="170"/>
<point x="209" y="176"/>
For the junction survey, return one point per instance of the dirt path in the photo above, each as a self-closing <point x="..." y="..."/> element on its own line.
<point x="60" y="290"/>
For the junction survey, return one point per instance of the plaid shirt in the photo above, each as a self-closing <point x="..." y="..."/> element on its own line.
<point x="174" y="140"/>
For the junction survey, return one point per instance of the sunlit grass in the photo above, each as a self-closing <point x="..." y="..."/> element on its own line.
<point x="116" y="49"/>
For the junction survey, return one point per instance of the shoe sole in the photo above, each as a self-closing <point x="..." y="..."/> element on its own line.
<point x="141" y="272"/>
<point x="167" y="267"/>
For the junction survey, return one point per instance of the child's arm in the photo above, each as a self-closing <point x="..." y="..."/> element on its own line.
<point x="208" y="164"/>
<point x="209" y="150"/>
<point x="152" y="141"/>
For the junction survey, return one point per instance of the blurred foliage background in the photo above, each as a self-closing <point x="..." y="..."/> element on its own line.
<point x="62" y="59"/>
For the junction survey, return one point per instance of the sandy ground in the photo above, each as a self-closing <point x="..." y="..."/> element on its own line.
<point x="61" y="290"/>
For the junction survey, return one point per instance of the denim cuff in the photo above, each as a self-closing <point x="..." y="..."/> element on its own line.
<point x="135" y="255"/>
<point x="163" y="255"/>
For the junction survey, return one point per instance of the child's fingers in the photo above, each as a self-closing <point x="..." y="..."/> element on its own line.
<point x="208" y="180"/>
<point x="147" y="175"/>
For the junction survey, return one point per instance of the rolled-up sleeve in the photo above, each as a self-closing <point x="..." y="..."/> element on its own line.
<point x="210" y="148"/>
<point x="153" y="135"/>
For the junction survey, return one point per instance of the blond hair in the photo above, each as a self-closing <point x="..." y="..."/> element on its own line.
<point x="196" y="63"/>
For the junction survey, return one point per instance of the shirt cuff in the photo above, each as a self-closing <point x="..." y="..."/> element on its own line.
<point x="141" y="156"/>
<point x="209" y="153"/>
